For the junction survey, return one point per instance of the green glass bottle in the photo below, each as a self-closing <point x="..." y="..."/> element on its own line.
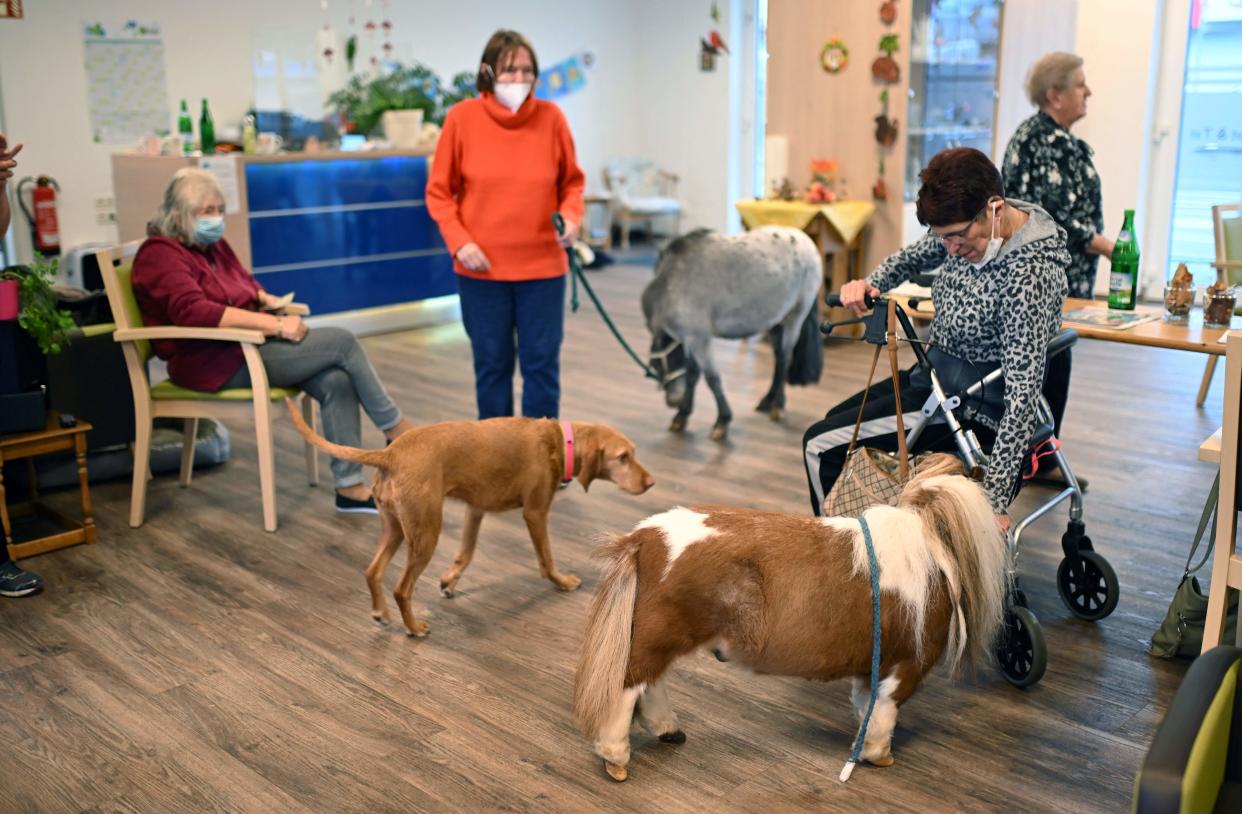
<point x="185" y="126"/>
<point x="1123" y="279"/>
<point x="206" y="131"/>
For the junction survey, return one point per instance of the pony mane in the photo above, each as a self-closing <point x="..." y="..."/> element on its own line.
<point x="683" y="244"/>
<point x="961" y="531"/>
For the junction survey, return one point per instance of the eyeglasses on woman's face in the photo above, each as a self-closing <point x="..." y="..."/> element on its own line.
<point x="958" y="237"/>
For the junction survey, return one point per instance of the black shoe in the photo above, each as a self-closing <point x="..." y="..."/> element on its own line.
<point x="348" y="505"/>
<point x="15" y="581"/>
<point x="1055" y="478"/>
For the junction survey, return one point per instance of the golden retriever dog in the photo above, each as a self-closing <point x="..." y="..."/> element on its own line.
<point x="492" y="466"/>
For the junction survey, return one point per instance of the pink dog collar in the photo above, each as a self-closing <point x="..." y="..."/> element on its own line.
<point x="567" y="430"/>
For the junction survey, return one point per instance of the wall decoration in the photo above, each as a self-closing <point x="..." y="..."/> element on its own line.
<point x="879" y="190"/>
<point x="126" y="88"/>
<point x="12" y="9"/>
<point x="564" y="77"/>
<point x="885" y="68"/>
<point x="715" y="12"/>
<point x="888" y="12"/>
<point x="885" y="128"/>
<point x="711" y="47"/>
<point x="834" y="56"/>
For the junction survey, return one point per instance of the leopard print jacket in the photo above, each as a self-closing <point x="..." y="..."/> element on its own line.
<point x="1006" y="312"/>
<point x="1051" y="167"/>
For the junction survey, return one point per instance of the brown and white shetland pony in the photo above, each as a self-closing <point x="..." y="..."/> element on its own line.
<point x="791" y="595"/>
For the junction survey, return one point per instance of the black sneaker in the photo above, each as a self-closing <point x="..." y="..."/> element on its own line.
<point x="16" y="581"/>
<point x="348" y="505"/>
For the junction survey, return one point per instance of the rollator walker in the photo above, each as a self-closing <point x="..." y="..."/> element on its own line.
<point x="1085" y="580"/>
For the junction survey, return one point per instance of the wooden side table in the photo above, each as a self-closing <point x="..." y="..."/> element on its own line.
<point x="29" y="445"/>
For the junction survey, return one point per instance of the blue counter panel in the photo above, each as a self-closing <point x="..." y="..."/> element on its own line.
<point x="350" y="286"/>
<point x="346" y="233"/>
<point x="299" y="238"/>
<point x="339" y="182"/>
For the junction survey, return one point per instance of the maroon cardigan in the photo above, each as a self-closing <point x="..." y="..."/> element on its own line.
<point x="178" y="285"/>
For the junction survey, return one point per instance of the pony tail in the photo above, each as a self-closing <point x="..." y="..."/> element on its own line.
<point x="600" y="679"/>
<point x="956" y="511"/>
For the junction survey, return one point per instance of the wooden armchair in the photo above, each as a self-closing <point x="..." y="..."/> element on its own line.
<point x="641" y="192"/>
<point x="1227" y="226"/>
<point x="166" y="399"/>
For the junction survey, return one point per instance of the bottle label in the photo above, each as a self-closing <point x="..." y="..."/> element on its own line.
<point x="1119" y="283"/>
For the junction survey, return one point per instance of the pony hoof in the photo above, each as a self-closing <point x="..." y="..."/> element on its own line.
<point x="677" y="425"/>
<point x="719" y="654"/>
<point x="616" y="772"/>
<point x="673" y="737"/>
<point x="719" y="433"/>
<point x="380" y="619"/>
<point x="446" y="590"/>
<point x="567" y="583"/>
<point x="882" y="762"/>
<point x="419" y="632"/>
<point x="776" y="414"/>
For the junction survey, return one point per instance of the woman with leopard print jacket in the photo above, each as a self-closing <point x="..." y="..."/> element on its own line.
<point x="998" y="301"/>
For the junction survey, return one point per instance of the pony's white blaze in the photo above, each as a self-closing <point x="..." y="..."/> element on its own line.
<point x="681" y="528"/>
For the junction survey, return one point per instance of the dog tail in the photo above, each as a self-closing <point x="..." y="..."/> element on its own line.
<point x="958" y="520"/>
<point x="377" y="458"/>
<point x="605" y="655"/>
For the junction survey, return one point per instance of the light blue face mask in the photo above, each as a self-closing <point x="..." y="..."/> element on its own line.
<point x="208" y="230"/>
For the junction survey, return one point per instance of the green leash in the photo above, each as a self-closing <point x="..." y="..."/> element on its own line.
<point x="575" y="276"/>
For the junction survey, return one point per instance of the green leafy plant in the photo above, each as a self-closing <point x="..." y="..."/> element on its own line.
<point x="38" y="311"/>
<point x="364" y="99"/>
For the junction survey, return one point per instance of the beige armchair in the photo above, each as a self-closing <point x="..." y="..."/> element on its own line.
<point x="640" y="192"/>
<point x="166" y="399"/>
<point x="1227" y="227"/>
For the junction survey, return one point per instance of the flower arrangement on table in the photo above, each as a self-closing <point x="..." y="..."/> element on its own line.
<point x="823" y="186"/>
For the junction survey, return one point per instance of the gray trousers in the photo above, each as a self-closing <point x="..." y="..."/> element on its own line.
<point x="332" y="367"/>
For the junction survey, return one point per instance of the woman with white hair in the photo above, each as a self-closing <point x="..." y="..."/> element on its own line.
<point x="1047" y="165"/>
<point x="186" y="273"/>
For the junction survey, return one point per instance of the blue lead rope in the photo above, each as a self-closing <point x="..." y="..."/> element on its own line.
<point x="856" y="753"/>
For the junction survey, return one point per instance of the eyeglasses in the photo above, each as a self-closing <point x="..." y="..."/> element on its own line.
<point x="958" y="237"/>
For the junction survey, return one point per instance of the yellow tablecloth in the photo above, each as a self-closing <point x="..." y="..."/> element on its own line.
<point x="849" y="218"/>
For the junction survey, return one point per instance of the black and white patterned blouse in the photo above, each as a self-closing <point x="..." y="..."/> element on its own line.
<point x="1006" y="312"/>
<point x="1051" y="167"/>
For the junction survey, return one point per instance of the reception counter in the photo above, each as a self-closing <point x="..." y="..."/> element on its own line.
<point x="345" y="231"/>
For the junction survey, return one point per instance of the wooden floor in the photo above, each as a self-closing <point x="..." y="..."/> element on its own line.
<point x="199" y="664"/>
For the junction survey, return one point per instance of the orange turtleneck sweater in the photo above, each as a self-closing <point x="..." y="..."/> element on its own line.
<point x="496" y="179"/>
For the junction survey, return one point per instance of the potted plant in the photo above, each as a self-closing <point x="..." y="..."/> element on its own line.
<point x="40" y="327"/>
<point x="364" y="99"/>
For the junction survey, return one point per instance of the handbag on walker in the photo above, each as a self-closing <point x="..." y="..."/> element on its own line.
<point x="872" y="476"/>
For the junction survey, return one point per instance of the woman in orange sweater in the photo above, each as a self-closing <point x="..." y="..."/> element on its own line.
<point x="505" y="162"/>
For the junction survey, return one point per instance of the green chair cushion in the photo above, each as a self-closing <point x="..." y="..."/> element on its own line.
<point x="167" y="391"/>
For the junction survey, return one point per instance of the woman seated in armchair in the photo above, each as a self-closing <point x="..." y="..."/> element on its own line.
<point x="186" y="274"/>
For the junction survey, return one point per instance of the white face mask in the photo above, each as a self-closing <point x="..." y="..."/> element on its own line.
<point x="512" y="94"/>
<point x="994" y="244"/>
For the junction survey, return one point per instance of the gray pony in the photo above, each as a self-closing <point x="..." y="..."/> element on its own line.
<point x="733" y="286"/>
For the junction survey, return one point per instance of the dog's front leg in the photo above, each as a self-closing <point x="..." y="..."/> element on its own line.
<point x="537" y="525"/>
<point x="469" y="539"/>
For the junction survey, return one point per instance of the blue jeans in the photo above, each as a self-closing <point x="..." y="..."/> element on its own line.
<point x="507" y="320"/>
<point x="332" y="367"/>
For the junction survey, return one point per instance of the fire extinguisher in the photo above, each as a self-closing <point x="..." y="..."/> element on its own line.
<point x="44" y="229"/>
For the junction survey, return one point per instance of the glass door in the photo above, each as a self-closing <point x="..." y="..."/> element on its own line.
<point x="1209" y="152"/>
<point x="954" y="46"/>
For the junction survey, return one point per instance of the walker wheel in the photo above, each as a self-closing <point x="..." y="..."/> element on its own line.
<point x="1088" y="586"/>
<point x="1020" y="648"/>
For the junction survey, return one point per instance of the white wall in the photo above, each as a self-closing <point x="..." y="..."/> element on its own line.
<point x="1119" y="41"/>
<point x="645" y="95"/>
